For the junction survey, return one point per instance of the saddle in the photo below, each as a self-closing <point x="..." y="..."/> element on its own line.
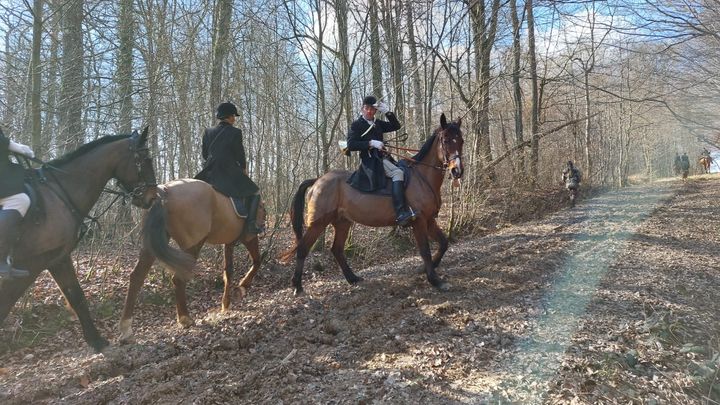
<point x="36" y="211"/>
<point x="387" y="190"/>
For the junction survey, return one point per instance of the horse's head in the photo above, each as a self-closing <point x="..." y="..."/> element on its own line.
<point x="451" y="141"/>
<point x="137" y="175"/>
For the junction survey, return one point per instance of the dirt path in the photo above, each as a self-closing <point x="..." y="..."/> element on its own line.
<point x="613" y="301"/>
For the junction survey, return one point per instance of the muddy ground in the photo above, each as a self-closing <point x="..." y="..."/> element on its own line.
<point x="613" y="301"/>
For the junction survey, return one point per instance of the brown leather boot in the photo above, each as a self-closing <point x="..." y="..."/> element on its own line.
<point x="9" y="225"/>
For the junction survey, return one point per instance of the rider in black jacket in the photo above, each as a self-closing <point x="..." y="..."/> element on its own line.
<point x="366" y="136"/>
<point x="14" y="202"/>
<point x="225" y="165"/>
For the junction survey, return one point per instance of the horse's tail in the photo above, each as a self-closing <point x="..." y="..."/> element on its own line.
<point x="297" y="216"/>
<point x="156" y="240"/>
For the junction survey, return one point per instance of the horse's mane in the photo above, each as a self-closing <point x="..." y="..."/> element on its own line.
<point x="70" y="156"/>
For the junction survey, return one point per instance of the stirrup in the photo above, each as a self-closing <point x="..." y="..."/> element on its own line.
<point x="410" y="216"/>
<point x="8" y="271"/>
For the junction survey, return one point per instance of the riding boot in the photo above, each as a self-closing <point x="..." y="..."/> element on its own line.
<point x="251" y="225"/>
<point x="403" y="214"/>
<point x="9" y="225"/>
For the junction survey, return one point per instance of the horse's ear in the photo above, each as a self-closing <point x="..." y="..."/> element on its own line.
<point x="143" y="137"/>
<point x="443" y="121"/>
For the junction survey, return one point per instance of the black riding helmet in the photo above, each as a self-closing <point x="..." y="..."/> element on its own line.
<point x="225" y="110"/>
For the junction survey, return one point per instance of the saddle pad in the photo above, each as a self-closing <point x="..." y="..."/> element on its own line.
<point x="239" y="206"/>
<point x="387" y="190"/>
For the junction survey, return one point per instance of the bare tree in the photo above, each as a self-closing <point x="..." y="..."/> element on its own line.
<point x="71" y="87"/>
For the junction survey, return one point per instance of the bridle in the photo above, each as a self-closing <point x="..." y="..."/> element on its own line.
<point x="145" y="173"/>
<point x="449" y="162"/>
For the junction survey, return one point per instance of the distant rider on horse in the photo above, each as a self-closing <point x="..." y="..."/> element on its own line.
<point x="366" y="136"/>
<point x="225" y="165"/>
<point x="14" y="203"/>
<point x="571" y="176"/>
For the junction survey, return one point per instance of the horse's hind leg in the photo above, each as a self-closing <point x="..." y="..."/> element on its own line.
<point x="183" y="315"/>
<point x="228" y="268"/>
<point x="137" y="278"/>
<point x="303" y="249"/>
<point x="439" y="236"/>
<point x="64" y="274"/>
<point x="253" y="248"/>
<point x="420" y="232"/>
<point x="342" y="228"/>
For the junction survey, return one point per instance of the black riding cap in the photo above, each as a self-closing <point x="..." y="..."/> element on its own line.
<point x="225" y="110"/>
<point x="370" y="100"/>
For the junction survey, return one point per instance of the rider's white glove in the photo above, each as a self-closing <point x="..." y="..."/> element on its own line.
<point x="22" y="149"/>
<point x="382" y="107"/>
<point x="374" y="143"/>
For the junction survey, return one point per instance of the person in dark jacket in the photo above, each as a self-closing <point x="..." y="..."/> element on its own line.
<point x="366" y="136"/>
<point x="571" y="176"/>
<point x="225" y="166"/>
<point x="685" y="165"/>
<point x="14" y="203"/>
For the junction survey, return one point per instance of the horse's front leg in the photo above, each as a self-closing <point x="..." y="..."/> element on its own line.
<point x="183" y="315"/>
<point x="11" y="290"/>
<point x="64" y="274"/>
<point x="137" y="278"/>
<point x="421" y="239"/>
<point x="342" y="229"/>
<point x="253" y="248"/>
<point x="439" y="236"/>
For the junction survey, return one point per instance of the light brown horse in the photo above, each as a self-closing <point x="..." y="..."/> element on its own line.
<point x="72" y="184"/>
<point x="332" y="201"/>
<point x="705" y="163"/>
<point x="192" y="213"/>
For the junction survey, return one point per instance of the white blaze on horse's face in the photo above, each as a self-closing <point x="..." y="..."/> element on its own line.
<point x="456" y="168"/>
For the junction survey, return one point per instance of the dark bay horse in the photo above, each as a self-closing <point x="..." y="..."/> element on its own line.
<point x="192" y="213"/>
<point x="332" y="201"/>
<point x="73" y="184"/>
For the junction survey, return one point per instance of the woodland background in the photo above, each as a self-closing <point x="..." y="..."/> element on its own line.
<point x="628" y="83"/>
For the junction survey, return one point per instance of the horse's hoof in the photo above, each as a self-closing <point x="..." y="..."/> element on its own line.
<point x="355" y="280"/>
<point x="100" y="344"/>
<point x="443" y="286"/>
<point x="420" y="269"/>
<point x="186" y="321"/>
<point x="298" y="292"/>
<point x="243" y="292"/>
<point x="126" y="334"/>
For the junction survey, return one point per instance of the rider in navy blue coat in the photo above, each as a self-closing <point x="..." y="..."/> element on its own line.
<point x="225" y="165"/>
<point x="366" y="136"/>
<point x="14" y="202"/>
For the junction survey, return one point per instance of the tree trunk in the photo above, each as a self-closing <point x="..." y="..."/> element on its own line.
<point x="517" y="91"/>
<point x="375" y="61"/>
<point x="534" y="106"/>
<point x="71" y="87"/>
<point x="417" y="109"/>
<point x="126" y="34"/>
<point x="221" y="40"/>
<point x="35" y="116"/>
